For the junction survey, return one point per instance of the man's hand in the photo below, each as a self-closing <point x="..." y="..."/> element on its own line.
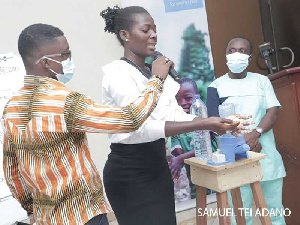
<point x="243" y="124"/>
<point x="31" y="219"/>
<point x="252" y="139"/>
<point x="257" y="148"/>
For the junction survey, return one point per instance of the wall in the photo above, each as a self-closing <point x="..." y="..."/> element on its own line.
<point x="282" y="29"/>
<point x="230" y="18"/>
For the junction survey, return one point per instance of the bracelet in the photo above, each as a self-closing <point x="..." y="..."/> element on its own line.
<point x="158" y="77"/>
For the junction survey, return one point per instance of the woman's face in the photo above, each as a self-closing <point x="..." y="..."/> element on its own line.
<point x="185" y="96"/>
<point x="142" y="36"/>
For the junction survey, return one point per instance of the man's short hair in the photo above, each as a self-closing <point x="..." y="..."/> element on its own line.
<point x="34" y="36"/>
<point x="250" y="43"/>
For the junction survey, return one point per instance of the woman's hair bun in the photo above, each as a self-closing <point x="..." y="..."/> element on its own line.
<point x="109" y="16"/>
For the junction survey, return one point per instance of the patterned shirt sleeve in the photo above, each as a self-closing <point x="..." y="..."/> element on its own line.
<point x="13" y="177"/>
<point x="82" y="114"/>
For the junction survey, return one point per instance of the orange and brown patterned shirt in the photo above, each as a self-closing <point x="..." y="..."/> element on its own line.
<point x="47" y="163"/>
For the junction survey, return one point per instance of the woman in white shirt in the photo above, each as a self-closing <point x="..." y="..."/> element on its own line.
<point x="137" y="178"/>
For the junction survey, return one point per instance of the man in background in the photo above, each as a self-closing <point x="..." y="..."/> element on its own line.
<point x="253" y="94"/>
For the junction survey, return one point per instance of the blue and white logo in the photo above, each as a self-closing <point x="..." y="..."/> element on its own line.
<point x="179" y="5"/>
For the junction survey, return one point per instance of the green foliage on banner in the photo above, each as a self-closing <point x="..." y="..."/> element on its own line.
<point x="194" y="61"/>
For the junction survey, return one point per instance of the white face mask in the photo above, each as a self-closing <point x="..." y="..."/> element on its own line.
<point x="68" y="70"/>
<point x="67" y="66"/>
<point x="237" y="62"/>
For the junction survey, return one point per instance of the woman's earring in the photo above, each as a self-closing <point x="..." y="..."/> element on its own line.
<point x="126" y="40"/>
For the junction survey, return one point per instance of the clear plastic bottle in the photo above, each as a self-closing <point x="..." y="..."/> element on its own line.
<point x="202" y="142"/>
<point x="226" y="109"/>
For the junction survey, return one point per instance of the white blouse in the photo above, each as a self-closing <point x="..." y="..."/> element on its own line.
<point x="122" y="84"/>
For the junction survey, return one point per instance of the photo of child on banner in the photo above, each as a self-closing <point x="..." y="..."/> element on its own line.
<point x="196" y="74"/>
<point x="183" y="147"/>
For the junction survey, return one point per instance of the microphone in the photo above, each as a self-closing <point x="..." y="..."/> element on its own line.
<point x="173" y="73"/>
<point x="265" y="51"/>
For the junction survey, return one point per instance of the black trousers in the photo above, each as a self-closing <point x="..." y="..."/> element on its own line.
<point x="98" y="220"/>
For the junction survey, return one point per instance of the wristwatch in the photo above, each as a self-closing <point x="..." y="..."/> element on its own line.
<point x="259" y="130"/>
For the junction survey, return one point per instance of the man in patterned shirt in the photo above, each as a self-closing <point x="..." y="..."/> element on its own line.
<point x="47" y="163"/>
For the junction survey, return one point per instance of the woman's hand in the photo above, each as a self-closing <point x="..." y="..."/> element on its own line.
<point x="161" y="67"/>
<point x="218" y="125"/>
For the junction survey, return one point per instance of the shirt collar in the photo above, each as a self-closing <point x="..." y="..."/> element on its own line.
<point x="32" y="80"/>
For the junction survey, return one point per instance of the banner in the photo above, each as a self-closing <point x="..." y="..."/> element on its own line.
<point x="179" y="5"/>
<point x="183" y="36"/>
<point x="12" y="73"/>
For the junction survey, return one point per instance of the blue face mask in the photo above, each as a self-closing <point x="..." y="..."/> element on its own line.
<point x="68" y="70"/>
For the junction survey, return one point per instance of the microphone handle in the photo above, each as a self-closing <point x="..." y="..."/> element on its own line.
<point x="173" y="73"/>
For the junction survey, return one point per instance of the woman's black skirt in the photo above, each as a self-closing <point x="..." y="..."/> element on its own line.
<point x="139" y="185"/>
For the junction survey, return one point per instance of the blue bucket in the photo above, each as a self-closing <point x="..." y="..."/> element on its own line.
<point x="233" y="147"/>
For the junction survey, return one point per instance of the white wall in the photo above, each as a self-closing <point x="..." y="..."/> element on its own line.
<point x="91" y="47"/>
